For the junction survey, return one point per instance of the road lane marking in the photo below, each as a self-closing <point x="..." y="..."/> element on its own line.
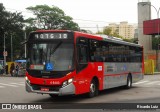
<point x="8" y="85"/>
<point x="141" y="82"/>
<point x="2" y="87"/>
<point x="153" y="82"/>
<point x="17" y="84"/>
<point x="21" y="82"/>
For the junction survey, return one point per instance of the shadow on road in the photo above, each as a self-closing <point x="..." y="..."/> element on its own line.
<point x="79" y="98"/>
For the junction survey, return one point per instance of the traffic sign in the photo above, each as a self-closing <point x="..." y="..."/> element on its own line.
<point x="5" y="53"/>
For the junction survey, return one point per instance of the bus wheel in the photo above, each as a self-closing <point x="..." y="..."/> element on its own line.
<point x="129" y="82"/>
<point x="93" y="89"/>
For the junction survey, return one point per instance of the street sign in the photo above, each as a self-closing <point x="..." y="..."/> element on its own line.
<point x="5" y="53"/>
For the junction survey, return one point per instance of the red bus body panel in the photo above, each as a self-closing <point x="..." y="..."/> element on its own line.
<point x="82" y="79"/>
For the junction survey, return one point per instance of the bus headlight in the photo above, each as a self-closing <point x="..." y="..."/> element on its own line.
<point x="65" y="83"/>
<point x="27" y="80"/>
<point x="70" y="80"/>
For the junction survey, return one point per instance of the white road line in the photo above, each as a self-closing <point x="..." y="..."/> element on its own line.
<point x="2" y="87"/>
<point x="22" y="82"/>
<point x="154" y="82"/>
<point x="17" y="84"/>
<point x="141" y="82"/>
<point x="8" y="85"/>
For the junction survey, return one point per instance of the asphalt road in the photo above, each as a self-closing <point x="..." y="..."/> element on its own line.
<point x="12" y="90"/>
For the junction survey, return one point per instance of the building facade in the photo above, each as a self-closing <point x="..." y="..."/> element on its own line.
<point x="123" y="29"/>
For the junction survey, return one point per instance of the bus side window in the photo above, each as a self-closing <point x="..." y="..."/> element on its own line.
<point x="96" y="52"/>
<point x="82" y="53"/>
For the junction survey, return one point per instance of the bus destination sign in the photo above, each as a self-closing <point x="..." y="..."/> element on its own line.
<point x="51" y="36"/>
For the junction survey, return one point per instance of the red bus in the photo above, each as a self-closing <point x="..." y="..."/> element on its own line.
<point x="62" y="62"/>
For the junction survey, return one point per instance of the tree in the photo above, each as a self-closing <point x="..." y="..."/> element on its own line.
<point x="108" y="31"/>
<point x="155" y="42"/>
<point x="50" y="18"/>
<point x="10" y="24"/>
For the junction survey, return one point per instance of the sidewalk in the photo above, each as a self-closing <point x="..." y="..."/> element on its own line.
<point x="5" y="75"/>
<point x="156" y="73"/>
<point x="9" y="75"/>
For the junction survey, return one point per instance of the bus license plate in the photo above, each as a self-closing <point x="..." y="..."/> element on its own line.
<point x="44" y="89"/>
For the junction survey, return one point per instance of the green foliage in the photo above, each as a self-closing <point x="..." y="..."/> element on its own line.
<point x="10" y="24"/>
<point x="50" y="18"/>
<point x="155" y="42"/>
<point x="108" y="31"/>
<point x="133" y="40"/>
<point x="45" y="18"/>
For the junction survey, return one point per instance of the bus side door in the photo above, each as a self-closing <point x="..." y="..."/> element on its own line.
<point x="82" y="65"/>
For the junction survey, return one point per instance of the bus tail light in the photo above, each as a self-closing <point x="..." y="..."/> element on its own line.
<point x="65" y="83"/>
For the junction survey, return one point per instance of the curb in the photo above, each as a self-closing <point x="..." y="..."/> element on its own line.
<point x="5" y="75"/>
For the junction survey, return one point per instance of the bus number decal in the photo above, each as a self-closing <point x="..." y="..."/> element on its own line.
<point x="51" y="36"/>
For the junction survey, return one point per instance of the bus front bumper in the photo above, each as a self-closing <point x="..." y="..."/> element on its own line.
<point x="67" y="90"/>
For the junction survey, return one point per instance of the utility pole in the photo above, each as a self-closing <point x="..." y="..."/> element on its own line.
<point x="25" y="46"/>
<point x="11" y="48"/>
<point x="97" y="28"/>
<point x="4" y="53"/>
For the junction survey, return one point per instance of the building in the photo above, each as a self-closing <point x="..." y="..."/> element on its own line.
<point x="123" y="29"/>
<point x="147" y="29"/>
<point x="144" y="13"/>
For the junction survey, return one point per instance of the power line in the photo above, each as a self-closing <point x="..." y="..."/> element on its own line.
<point x="92" y="21"/>
<point x="97" y="21"/>
<point x="84" y="20"/>
<point x="19" y="10"/>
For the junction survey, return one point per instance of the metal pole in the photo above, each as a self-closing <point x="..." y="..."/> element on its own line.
<point x="11" y="48"/>
<point x="25" y="47"/>
<point x="158" y="39"/>
<point x="158" y="58"/>
<point x="4" y="54"/>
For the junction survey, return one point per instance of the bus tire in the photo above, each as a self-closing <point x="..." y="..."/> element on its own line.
<point x="93" y="90"/>
<point x="129" y="82"/>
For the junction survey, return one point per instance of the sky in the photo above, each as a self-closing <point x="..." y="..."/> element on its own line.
<point x="89" y="14"/>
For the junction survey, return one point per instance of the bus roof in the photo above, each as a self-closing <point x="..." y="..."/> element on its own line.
<point x="117" y="40"/>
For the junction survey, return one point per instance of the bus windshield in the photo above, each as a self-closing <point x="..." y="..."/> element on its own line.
<point x="51" y="56"/>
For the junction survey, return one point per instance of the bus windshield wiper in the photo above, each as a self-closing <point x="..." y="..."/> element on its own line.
<point x="55" y="48"/>
<point x="52" y="51"/>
